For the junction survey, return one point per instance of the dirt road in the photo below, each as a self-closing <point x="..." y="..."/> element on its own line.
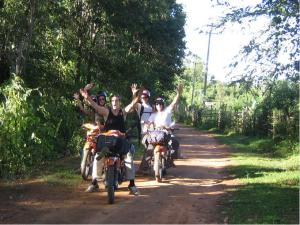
<point x="190" y="194"/>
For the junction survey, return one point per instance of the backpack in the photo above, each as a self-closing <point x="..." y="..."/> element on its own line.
<point x="157" y="137"/>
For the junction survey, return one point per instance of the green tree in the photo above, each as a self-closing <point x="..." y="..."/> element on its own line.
<point x="56" y="47"/>
<point x="279" y="39"/>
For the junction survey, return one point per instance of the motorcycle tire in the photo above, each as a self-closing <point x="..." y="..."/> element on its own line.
<point x="86" y="164"/>
<point x="151" y="171"/>
<point x="163" y="167"/>
<point x="110" y="184"/>
<point x="157" y="166"/>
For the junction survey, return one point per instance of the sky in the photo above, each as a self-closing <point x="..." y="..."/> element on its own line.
<point x="223" y="47"/>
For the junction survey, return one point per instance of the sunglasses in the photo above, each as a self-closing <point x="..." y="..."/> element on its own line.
<point x="159" y="103"/>
<point x="144" y="97"/>
<point x="101" y="99"/>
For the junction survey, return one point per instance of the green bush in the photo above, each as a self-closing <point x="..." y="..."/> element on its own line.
<point x="76" y="141"/>
<point x="34" y="127"/>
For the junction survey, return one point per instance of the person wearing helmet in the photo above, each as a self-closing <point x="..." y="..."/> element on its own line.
<point x="161" y="118"/>
<point x="93" y="116"/>
<point x="115" y="120"/>
<point x="144" y="111"/>
<point x="101" y="100"/>
<point x="143" y="108"/>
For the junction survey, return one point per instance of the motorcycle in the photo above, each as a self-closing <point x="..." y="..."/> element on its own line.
<point x="161" y="158"/>
<point x="89" y="149"/>
<point x="112" y="146"/>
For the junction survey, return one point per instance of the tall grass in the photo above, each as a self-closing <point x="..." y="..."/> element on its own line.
<point x="269" y="176"/>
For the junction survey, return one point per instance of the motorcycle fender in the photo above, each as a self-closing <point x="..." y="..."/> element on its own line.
<point x="86" y="145"/>
<point x="157" y="149"/>
<point x="163" y="149"/>
<point x="160" y="148"/>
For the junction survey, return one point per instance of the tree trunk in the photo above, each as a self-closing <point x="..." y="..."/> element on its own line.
<point x="80" y="40"/>
<point x="22" y="50"/>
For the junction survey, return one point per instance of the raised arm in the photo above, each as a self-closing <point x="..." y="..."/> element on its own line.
<point x="100" y="109"/>
<point x="134" y="101"/>
<point x="80" y="105"/>
<point x="176" y="99"/>
<point x="88" y="86"/>
<point x="134" y="91"/>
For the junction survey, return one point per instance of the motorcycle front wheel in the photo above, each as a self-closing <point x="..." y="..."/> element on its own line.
<point x="86" y="163"/>
<point x="162" y="167"/>
<point x="110" y="184"/>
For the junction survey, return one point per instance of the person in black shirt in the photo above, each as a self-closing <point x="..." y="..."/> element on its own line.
<point x="115" y="121"/>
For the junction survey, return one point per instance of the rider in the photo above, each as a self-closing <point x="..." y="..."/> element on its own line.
<point x="115" y="121"/>
<point x="144" y="111"/>
<point x="161" y="118"/>
<point x="94" y="117"/>
<point x="100" y="99"/>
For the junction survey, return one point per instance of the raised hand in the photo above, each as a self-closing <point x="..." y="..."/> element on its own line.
<point x="76" y="96"/>
<point x="88" y="86"/>
<point x="134" y="89"/>
<point x="179" y="89"/>
<point x="84" y="93"/>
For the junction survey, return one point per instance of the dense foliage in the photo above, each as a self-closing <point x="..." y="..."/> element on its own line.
<point x="264" y="100"/>
<point x="55" y="47"/>
<point x="272" y="52"/>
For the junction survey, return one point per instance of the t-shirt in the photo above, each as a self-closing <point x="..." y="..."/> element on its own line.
<point x="145" y="116"/>
<point x="163" y="118"/>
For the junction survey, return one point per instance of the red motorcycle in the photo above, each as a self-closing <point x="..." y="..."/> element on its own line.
<point x="113" y="146"/>
<point x="89" y="149"/>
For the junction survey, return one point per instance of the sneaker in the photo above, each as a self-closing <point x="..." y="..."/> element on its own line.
<point x="92" y="188"/>
<point x="158" y="179"/>
<point x="173" y="164"/>
<point x="133" y="190"/>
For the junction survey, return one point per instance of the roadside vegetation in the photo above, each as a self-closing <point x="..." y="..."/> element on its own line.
<point x="256" y="114"/>
<point x="50" y="49"/>
<point x="268" y="181"/>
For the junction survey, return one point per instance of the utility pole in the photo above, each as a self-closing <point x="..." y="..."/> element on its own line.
<point x="206" y="66"/>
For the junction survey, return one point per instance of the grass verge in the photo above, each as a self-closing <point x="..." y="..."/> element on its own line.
<point x="62" y="172"/>
<point x="269" y="178"/>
